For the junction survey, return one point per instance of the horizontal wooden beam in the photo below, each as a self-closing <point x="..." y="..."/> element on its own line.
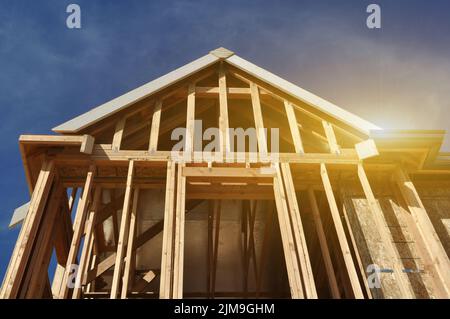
<point x="86" y="142"/>
<point x="213" y="92"/>
<point x="219" y="172"/>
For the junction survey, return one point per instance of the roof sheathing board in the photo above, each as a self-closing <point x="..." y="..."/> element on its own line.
<point x="99" y="113"/>
<point x="303" y="95"/>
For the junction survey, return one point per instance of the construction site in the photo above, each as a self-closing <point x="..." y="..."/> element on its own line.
<point x="345" y="210"/>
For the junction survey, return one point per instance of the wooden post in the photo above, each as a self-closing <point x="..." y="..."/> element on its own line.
<point x="290" y="255"/>
<point x="166" y="258"/>
<point x="190" y="121"/>
<point x="296" y="137"/>
<point x="131" y="247"/>
<point x="362" y="270"/>
<point x="73" y="195"/>
<point x="223" y="117"/>
<point x="62" y="239"/>
<point x="123" y="234"/>
<point x="25" y="241"/>
<point x="179" y="235"/>
<point x="324" y="245"/>
<point x="42" y="250"/>
<point x="331" y="137"/>
<point x="82" y="268"/>
<point x="117" y="139"/>
<point x="218" y="209"/>
<point x="299" y="235"/>
<point x="348" y="260"/>
<point x="78" y="226"/>
<point x="386" y="238"/>
<point x="420" y="216"/>
<point x="154" y="132"/>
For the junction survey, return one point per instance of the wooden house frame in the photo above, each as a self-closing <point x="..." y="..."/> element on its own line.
<point x="344" y="196"/>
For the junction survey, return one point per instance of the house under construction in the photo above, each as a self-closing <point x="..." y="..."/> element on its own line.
<point x="346" y="210"/>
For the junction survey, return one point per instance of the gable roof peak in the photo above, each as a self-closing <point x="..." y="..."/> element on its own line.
<point x="222" y="53"/>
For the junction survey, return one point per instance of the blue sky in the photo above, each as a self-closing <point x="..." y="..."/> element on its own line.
<point x="396" y="77"/>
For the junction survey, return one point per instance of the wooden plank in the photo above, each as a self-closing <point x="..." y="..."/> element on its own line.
<point x="299" y="235"/>
<point x="362" y="270"/>
<point x="39" y="262"/>
<point x="214" y="92"/>
<point x="166" y="259"/>
<point x="73" y="196"/>
<point x="385" y="236"/>
<point x="290" y="254"/>
<point x="331" y="137"/>
<point x="229" y="172"/>
<point x="101" y="268"/>
<point x="92" y="261"/>
<point x="124" y="227"/>
<point x="107" y="263"/>
<point x="83" y="265"/>
<point x="24" y="244"/>
<point x="293" y="125"/>
<point x="103" y="154"/>
<point x="420" y="216"/>
<point x="78" y="230"/>
<point x="131" y="247"/>
<point x="62" y="239"/>
<point x="117" y="139"/>
<point x="87" y="144"/>
<point x="143" y="282"/>
<point x="343" y="244"/>
<point x="218" y="210"/>
<point x="223" y="118"/>
<point x="259" y="124"/>
<point x="154" y="132"/>
<point x="437" y="286"/>
<point x="190" y="120"/>
<point x="178" y="266"/>
<point x="57" y="280"/>
<point x="51" y="139"/>
<point x="331" y="276"/>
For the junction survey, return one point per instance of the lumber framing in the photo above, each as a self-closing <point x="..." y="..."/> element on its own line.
<point x="280" y="208"/>
<point x="382" y="227"/>
<point x="441" y="262"/>
<point x="123" y="234"/>
<point x="299" y="236"/>
<point x="298" y="144"/>
<point x="154" y="132"/>
<point x="88" y="238"/>
<point x="79" y="227"/>
<point x="22" y="250"/>
<point x="287" y="239"/>
<point x="165" y="290"/>
<point x="324" y="245"/>
<point x="259" y="124"/>
<point x="130" y="259"/>
<point x="190" y="120"/>
<point x="343" y="243"/>
<point x="223" y="117"/>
